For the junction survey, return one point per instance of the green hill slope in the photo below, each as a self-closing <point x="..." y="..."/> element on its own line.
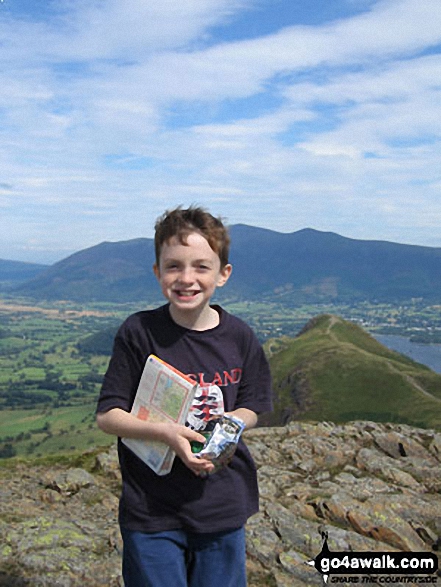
<point x="336" y="371"/>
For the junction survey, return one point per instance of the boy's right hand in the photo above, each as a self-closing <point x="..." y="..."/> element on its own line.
<point x="121" y="423"/>
<point x="178" y="439"/>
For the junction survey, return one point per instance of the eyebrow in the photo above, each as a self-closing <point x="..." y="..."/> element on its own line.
<point x="174" y="260"/>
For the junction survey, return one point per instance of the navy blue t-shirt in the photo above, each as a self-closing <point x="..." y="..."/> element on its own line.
<point x="229" y="356"/>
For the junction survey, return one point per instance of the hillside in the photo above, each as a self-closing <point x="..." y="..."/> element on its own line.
<point x="114" y="272"/>
<point x="13" y="273"/>
<point x="336" y="371"/>
<point x="304" y="266"/>
<point x="371" y="487"/>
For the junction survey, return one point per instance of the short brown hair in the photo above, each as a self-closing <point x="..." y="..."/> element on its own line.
<point x="181" y="223"/>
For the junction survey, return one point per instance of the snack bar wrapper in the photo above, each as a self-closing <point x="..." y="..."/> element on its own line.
<point x="221" y="444"/>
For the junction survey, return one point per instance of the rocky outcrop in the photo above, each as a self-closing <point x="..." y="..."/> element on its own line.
<point x="370" y="487"/>
<point x="58" y="525"/>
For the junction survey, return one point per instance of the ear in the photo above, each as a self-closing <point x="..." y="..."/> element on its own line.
<point x="156" y="271"/>
<point x="224" y="275"/>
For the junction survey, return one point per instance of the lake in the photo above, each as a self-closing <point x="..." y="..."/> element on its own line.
<point x="427" y="354"/>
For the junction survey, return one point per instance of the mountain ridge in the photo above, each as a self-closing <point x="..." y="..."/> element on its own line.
<point x="303" y="266"/>
<point x="334" y="370"/>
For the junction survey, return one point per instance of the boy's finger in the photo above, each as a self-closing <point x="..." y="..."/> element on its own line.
<point x="193" y="435"/>
<point x="200" y="465"/>
<point x="198" y="436"/>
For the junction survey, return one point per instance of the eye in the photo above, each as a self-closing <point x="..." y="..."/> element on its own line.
<point x="171" y="266"/>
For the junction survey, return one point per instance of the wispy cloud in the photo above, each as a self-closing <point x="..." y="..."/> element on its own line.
<point x="113" y="111"/>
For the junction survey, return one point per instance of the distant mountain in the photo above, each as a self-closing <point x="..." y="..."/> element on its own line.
<point x="304" y="266"/>
<point x="320" y="266"/>
<point x="114" y="272"/>
<point x="334" y="370"/>
<point x="13" y="273"/>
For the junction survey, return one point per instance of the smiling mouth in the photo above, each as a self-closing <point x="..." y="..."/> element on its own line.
<point x="186" y="294"/>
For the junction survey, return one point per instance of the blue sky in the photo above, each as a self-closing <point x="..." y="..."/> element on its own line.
<point x="284" y="114"/>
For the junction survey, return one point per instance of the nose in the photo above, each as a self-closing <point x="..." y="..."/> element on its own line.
<point x="186" y="275"/>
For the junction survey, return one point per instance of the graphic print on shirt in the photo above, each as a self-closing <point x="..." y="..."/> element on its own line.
<point x="220" y="378"/>
<point x="207" y="405"/>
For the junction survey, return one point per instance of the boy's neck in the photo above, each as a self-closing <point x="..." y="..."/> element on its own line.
<point x="206" y="319"/>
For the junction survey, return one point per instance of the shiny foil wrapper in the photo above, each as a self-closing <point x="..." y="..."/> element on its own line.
<point x="220" y="446"/>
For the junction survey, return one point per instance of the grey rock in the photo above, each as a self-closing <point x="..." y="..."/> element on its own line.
<point x="262" y="541"/>
<point x="398" y="446"/>
<point x="435" y="446"/>
<point x="108" y="463"/>
<point x="295" y="566"/>
<point x="70" y="481"/>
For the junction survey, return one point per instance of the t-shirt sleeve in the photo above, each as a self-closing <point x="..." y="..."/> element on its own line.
<point x="122" y="376"/>
<point x="255" y="389"/>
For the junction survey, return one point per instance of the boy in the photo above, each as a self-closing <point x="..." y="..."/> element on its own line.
<point x="186" y="529"/>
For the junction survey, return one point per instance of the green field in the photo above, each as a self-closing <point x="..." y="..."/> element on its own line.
<point x="38" y="432"/>
<point x="48" y="386"/>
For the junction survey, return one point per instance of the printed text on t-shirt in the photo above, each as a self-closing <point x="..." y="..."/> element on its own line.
<point x="221" y="379"/>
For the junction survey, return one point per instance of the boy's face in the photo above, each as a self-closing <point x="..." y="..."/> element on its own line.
<point x="189" y="274"/>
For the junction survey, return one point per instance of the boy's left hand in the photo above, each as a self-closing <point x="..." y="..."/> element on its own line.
<point x="222" y="444"/>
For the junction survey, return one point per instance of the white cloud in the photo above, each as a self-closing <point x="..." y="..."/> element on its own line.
<point x="343" y="121"/>
<point x="145" y="26"/>
<point x="393" y="28"/>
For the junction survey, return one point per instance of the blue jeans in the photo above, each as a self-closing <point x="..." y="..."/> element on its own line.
<point x="177" y="558"/>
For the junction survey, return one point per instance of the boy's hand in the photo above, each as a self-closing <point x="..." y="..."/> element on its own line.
<point x="122" y="423"/>
<point x="178" y="439"/>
